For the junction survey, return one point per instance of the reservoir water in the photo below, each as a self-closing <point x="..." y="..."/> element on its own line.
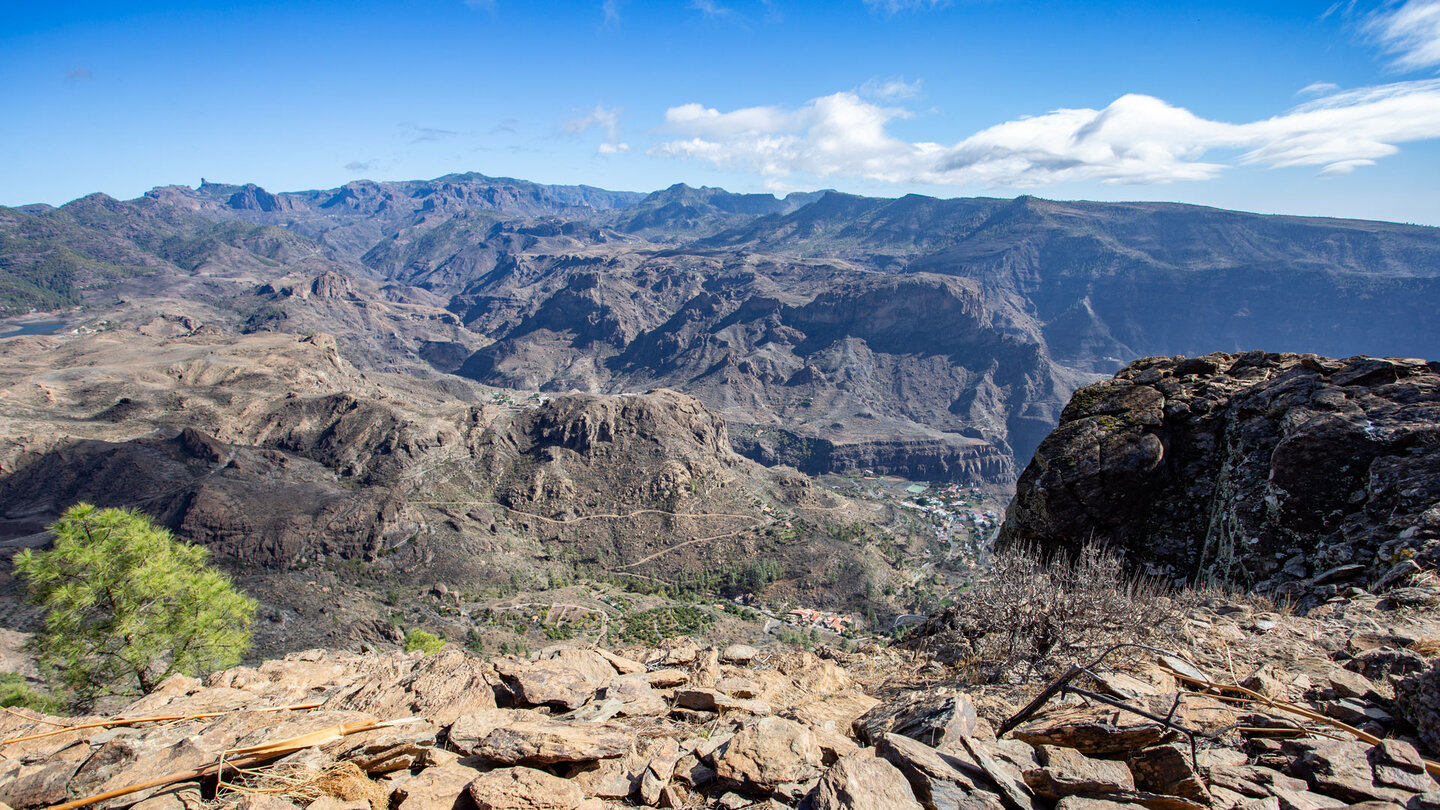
<point x="36" y="328"/>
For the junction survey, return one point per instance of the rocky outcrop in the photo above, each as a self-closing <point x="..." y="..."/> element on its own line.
<point x="206" y="491"/>
<point x="421" y="731"/>
<point x="1277" y="471"/>
<point x="661" y="449"/>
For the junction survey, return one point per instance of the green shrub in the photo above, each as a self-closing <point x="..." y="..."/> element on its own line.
<point x="16" y="693"/>
<point x="423" y="641"/>
<point x="654" y="626"/>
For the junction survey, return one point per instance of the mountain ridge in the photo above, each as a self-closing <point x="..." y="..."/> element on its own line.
<point x="740" y="298"/>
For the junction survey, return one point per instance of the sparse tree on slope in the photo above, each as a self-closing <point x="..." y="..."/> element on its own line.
<point x="127" y="605"/>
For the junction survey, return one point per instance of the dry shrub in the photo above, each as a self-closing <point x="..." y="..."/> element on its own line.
<point x="1427" y="647"/>
<point x="342" y="780"/>
<point x="1036" y="615"/>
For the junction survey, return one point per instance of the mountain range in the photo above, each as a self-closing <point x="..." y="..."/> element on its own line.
<point x="932" y="338"/>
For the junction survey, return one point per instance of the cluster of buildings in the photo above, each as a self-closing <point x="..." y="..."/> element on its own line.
<point x="954" y="518"/>
<point x="535" y="399"/>
<point x="807" y="617"/>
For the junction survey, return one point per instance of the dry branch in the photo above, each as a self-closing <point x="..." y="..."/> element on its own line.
<point x="238" y="759"/>
<point x="1255" y="698"/>
<point x="130" y="721"/>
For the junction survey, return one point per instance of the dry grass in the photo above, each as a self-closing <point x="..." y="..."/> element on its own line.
<point x="1282" y="605"/>
<point x="343" y="780"/>
<point x="1428" y="647"/>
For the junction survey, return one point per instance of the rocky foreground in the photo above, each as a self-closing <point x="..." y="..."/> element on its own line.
<point x="684" y="725"/>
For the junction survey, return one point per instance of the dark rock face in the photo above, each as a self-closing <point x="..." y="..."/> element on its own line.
<point x="947" y="458"/>
<point x="1270" y="470"/>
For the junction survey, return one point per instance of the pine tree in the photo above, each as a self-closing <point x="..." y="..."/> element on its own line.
<point x="127" y="605"/>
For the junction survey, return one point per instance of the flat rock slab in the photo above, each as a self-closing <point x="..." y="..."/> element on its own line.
<point x="523" y="789"/>
<point x="932" y="718"/>
<point x="434" y="788"/>
<point x="713" y="700"/>
<point x="1068" y="772"/>
<point x="1093" y="731"/>
<point x="569" y="679"/>
<point x="1082" y="803"/>
<point x="468" y="730"/>
<point x="739" y="654"/>
<point x="840" y="709"/>
<point x="622" y="665"/>
<point x="548" y="742"/>
<point x="441" y="686"/>
<point x="1340" y="769"/>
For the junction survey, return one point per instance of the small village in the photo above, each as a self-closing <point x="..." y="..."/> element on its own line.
<point x="963" y="516"/>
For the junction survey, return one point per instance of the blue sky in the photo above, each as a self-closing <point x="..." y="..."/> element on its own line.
<point x="1274" y="107"/>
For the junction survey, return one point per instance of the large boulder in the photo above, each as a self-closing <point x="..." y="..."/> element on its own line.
<point x="1281" y="471"/>
<point x="771" y="755"/>
<point x="569" y="679"/>
<point x="863" y="781"/>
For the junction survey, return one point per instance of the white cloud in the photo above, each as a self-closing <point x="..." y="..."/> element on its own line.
<point x="1136" y="139"/>
<point x="1346" y="166"/>
<point x="599" y="118"/>
<point x="1339" y="129"/>
<point x="889" y="89"/>
<point x="838" y="134"/>
<point x="1317" y="89"/>
<point x="611" y="8"/>
<point x="609" y="120"/>
<point x="1410" y="32"/>
<point x="896" y="6"/>
<point x="710" y="8"/>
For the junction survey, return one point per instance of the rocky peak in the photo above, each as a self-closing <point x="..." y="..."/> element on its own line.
<point x="670" y="423"/>
<point x="251" y="197"/>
